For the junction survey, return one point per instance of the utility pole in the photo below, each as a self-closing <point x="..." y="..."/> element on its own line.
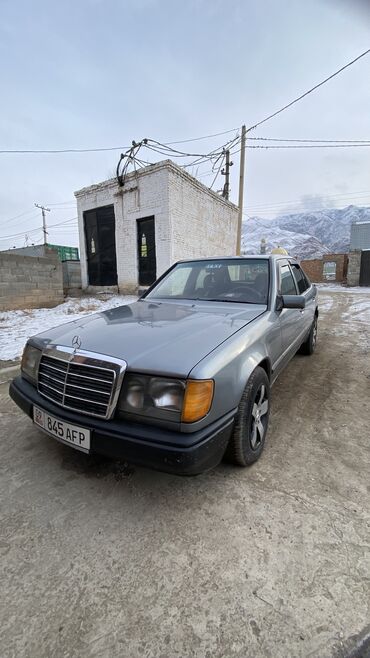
<point x="43" y="210"/>
<point x="226" y="172"/>
<point x="241" y="191"/>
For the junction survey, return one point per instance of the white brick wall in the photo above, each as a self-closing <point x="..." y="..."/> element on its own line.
<point x="203" y="224"/>
<point x="190" y="221"/>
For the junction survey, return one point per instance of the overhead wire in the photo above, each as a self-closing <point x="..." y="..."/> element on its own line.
<point x="32" y="212"/>
<point x="307" y="146"/>
<point x="309" y="91"/>
<point x="325" y="141"/>
<point x="111" y="148"/>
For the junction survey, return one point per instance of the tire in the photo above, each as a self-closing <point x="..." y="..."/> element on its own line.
<point x="308" y="347"/>
<point x="248" y="439"/>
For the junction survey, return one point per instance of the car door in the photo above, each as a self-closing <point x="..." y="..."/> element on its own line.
<point x="308" y="291"/>
<point x="292" y="320"/>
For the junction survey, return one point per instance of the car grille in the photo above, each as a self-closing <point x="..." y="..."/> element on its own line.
<point x="75" y="382"/>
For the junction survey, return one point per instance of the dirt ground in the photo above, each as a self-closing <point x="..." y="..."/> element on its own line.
<point x="99" y="559"/>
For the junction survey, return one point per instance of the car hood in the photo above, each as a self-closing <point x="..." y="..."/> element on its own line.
<point x="161" y="337"/>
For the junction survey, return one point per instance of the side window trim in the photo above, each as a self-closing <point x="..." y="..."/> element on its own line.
<point x="307" y="282"/>
<point x="294" y="279"/>
<point x="283" y="263"/>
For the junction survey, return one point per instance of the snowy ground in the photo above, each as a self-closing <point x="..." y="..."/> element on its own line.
<point x="337" y="287"/>
<point x="17" y="326"/>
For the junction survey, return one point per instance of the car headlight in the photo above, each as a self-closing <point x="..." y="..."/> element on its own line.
<point x="166" y="399"/>
<point x="30" y="362"/>
<point x="157" y="397"/>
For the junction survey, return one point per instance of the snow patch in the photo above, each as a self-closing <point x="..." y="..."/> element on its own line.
<point x="16" y="327"/>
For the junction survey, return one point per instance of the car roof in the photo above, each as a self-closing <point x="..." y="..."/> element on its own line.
<point x="272" y="257"/>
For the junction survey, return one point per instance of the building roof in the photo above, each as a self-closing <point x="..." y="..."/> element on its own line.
<point x="150" y="169"/>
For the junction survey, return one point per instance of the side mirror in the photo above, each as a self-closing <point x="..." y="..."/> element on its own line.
<point x="290" y="301"/>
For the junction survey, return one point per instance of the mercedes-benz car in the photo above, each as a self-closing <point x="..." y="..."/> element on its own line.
<point x="181" y="378"/>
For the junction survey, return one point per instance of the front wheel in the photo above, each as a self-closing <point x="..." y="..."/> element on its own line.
<point x="308" y="347"/>
<point x="251" y="423"/>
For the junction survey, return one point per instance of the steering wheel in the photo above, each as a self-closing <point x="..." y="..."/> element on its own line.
<point x="250" y="292"/>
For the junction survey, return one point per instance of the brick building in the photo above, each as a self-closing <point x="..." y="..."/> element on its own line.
<point x="130" y="235"/>
<point x="331" y="267"/>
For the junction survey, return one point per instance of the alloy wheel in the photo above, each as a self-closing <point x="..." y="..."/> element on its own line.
<point x="259" y="417"/>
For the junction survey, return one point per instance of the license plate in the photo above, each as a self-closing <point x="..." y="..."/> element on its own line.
<point x="78" y="437"/>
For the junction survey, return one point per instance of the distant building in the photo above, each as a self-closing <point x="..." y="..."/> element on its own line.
<point x="40" y="250"/>
<point x="360" y="236"/>
<point x="359" y="255"/>
<point x="130" y="234"/>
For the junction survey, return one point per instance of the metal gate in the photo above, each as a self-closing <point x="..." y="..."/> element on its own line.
<point x="365" y="268"/>
<point x="101" y="246"/>
<point x="146" y="251"/>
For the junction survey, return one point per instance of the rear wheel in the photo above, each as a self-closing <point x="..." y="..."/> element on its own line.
<point x="308" y="347"/>
<point x="251" y="423"/>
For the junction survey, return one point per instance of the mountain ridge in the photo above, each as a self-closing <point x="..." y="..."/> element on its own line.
<point x="310" y="234"/>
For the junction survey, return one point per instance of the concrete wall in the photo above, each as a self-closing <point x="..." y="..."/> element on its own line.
<point x="37" y="250"/>
<point x="354" y="266"/>
<point x="314" y="268"/>
<point x="190" y="220"/>
<point x="202" y="223"/>
<point x="360" y="236"/>
<point x="72" y="284"/>
<point x="29" y="282"/>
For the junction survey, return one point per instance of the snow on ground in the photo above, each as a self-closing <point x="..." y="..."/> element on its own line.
<point x="337" y="287"/>
<point x="17" y="326"/>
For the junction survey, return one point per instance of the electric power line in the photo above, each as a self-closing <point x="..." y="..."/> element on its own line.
<point x="319" y="141"/>
<point x="330" y="77"/>
<point x="15" y="235"/>
<point x="307" y="146"/>
<point x="22" y="214"/>
<point x="39" y="228"/>
<point x="110" y="148"/>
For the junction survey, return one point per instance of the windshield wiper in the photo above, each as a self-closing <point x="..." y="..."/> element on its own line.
<point x="217" y="299"/>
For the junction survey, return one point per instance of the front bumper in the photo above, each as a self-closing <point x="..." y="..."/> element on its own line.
<point x="145" y="445"/>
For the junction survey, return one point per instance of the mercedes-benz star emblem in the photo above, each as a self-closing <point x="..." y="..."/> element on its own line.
<point x="76" y="342"/>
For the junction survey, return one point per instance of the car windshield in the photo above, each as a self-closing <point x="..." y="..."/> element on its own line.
<point x="243" y="281"/>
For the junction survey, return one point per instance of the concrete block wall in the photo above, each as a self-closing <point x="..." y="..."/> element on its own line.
<point x="29" y="282"/>
<point x="202" y="223"/>
<point x="314" y="267"/>
<point x="71" y="277"/>
<point x="354" y="266"/>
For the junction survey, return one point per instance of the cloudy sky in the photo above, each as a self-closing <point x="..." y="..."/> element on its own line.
<point x="100" y="73"/>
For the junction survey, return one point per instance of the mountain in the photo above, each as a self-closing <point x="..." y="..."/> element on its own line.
<point x="306" y="234"/>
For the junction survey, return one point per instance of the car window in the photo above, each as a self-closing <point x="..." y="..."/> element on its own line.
<point x="217" y="280"/>
<point x="300" y="278"/>
<point x="174" y="285"/>
<point x="287" y="286"/>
